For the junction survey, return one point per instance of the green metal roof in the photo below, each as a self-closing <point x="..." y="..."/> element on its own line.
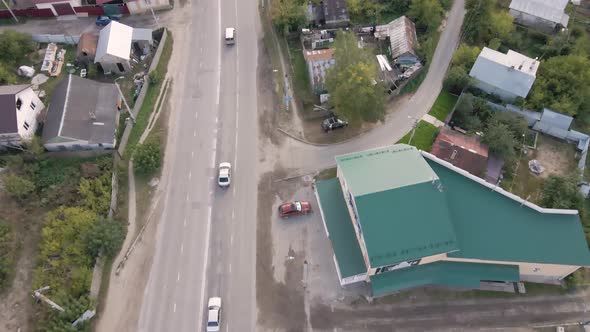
<point x="379" y="169"/>
<point x="455" y="274"/>
<point x="491" y="226"/>
<point x="405" y="223"/>
<point x="344" y="241"/>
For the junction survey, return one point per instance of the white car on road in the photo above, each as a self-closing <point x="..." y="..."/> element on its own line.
<point x="224" y="177"/>
<point x="214" y="318"/>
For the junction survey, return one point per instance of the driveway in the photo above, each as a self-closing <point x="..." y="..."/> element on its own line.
<point x="308" y="158"/>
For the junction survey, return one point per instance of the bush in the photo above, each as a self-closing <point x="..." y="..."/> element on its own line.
<point x="147" y="158"/>
<point x="6" y="253"/>
<point x="561" y="192"/>
<point x="96" y="194"/>
<point x="155" y="77"/>
<point x="457" y="79"/>
<point x="18" y="187"/>
<point x="106" y="237"/>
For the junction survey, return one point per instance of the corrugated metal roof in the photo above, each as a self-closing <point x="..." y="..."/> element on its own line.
<point x="402" y="36"/>
<point x="465" y="152"/>
<point x="555" y="119"/>
<point x="115" y="40"/>
<point x="512" y="72"/>
<point x="551" y="10"/>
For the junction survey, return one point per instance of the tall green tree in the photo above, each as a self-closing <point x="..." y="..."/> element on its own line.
<point x="563" y="84"/>
<point x="351" y="82"/>
<point x="106" y="237"/>
<point x="426" y="13"/>
<point x="561" y="192"/>
<point x="457" y="79"/>
<point x="288" y="15"/>
<point x="465" y="56"/>
<point x="15" y="45"/>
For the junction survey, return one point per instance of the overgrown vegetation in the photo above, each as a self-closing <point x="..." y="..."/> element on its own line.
<point x="7" y="248"/>
<point x="15" y="46"/>
<point x="350" y="82"/>
<point x="75" y="192"/>
<point x="147" y="158"/>
<point x="151" y="96"/>
<point x="288" y="15"/>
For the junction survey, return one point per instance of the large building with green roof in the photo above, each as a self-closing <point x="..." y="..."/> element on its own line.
<point x="400" y="218"/>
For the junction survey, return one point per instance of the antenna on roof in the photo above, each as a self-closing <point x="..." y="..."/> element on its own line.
<point x="520" y="67"/>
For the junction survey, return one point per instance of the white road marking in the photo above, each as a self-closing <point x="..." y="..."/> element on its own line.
<point x="196" y="115"/>
<point x="187" y="197"/>
<point x="192" y="154"/>
<point x="195" y="133"/>
<point x="181" y="248"/>
<point x="229" y="267"/>
<point x="233" y="214"/>
<point x="201" y="50"/>
<point x="178" y="276"/>
<point x="219" y="53"/>
<point x="231" y="239"/>
<point x="213" y="159"/>
<point x="190" y="174"/>
<point x="200" y="65"/>
<point x="204" y="269"/>
<point x="234" y="190"/>
<point x="184" y="222"/>
<point x="174" y="307"/>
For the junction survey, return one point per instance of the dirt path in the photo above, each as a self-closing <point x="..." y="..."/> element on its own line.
<point x="125" y="293"/>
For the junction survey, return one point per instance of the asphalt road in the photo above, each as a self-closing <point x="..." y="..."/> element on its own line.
<point x="308" y="158"/>
<point x="205" y="243"/>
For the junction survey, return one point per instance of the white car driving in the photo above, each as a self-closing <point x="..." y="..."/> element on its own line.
<point x="214" y="317"/>
<point x="224" y="177"/>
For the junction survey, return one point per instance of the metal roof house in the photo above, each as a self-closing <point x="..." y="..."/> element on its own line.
<point x="83" y="115"/>
<point x="508" y="75"/>
<point x="114" y="48"/>
<point x="400" y="218"/>
<point x="19" y="111"/>
<point x="463" y="151"/>
<point x="328" y="13"/>
<point x="542" y="15"/>
<point x="401" y="33"/>
<point x="318" y="63"/>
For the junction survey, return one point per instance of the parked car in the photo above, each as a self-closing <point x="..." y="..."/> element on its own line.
<point x="224" y="177"/>
<point x="102" y="21"/>
<point x="333" y="123"/>
<point x="296" y="208"/>
<point x="230" y="36"/>
<point x="214" y="316"/>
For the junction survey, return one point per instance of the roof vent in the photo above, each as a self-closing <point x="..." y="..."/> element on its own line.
<point x="92" y="115"/>
<point x="436" y="183"/>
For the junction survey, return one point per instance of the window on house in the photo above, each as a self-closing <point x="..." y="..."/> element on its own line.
<point x="26" y="125"/>
<point x="120" y="67"/>
<point x="33" y="105"/>
<point x="454" y="154"/>
<point x="19" y="104"/>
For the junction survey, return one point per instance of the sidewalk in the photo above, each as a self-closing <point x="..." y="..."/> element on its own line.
<point x="432" y="120"/>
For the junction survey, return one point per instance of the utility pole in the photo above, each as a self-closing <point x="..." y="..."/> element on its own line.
<point x="10" y="10"/>
<point x="37" y="294"/>
<point x="413" y="129"/>
<point x="123" y="97"/>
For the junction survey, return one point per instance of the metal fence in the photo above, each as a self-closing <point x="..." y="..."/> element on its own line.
<point x="58" y="39"/>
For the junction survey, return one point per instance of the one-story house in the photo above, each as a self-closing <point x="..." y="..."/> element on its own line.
<point x="543" y="15"/>
<point x="19" y="112"/>
<point x="508" y="75"/>
<point x="113" y="52"/>
<point x="328" y="13"/>
<point x="400" y="218"/>
<point x="318" y="63"/>
<point x="401" y="33"/>
<point x="83" y="115"/>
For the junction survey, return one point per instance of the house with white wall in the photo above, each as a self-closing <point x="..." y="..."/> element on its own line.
<point x="542" y="15"/>
<point x="318" y="63"/>
<point x="19" y="111"/>
<point x="113" y="52"/>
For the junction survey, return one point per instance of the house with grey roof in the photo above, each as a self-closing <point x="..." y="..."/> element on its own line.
<point x="403" y="42"/>
<point x="20" y="108"/>
<point x="83" y="115"/>
<point x="400" y="218"/>
<point x="543" y="15"/>
<point x="508" y="75"/>
<point x="328" y="13"/>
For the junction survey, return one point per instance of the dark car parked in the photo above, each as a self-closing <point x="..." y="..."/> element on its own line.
<point x="333" y="123"/>
<point x="102" y="21"/>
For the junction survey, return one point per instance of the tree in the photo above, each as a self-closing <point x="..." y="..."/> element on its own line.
<point x="14" y="46"/>
<point x="106" y="237"/>
<point x="501" y="24"/>
<point x="426" y="13"/>
<point x="465" y="56"/>
<point x="18" y="187"/>
<point x="147" y="157"/>
<point x="288" y="15"/>
<point x="351" y="83"/>
<point x="561" y="192"/>
<point x="477" y="18"/>
<point x="500" y="140"/>
<point x="456" y="80"/>
<point x="563" y="84"/>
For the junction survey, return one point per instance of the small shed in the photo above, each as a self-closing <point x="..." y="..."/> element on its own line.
<point x="87" y="44"/>
<point x="465" y="152"/>
<point x="142" y="40"/>
<point x="114" y="48"/>
<point x="401" y="33"/>
<point x="318" y="63"/>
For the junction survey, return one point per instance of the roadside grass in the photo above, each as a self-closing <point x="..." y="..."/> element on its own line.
<point x="272" y="49"/>
<point x="423" y="138"/>
<point x="325" y="174"/>
<point x="443" y="105"/>
<point x="300" y="74"/>
<point x="151" y="96"/>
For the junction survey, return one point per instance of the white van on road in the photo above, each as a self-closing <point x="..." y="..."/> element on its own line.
<point x="230" y="36"/>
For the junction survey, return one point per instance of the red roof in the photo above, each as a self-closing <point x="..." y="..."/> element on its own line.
<point x="465" y="152"/>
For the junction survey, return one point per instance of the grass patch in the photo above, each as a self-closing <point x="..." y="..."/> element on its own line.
<point x="328" y="173"/>
<point x="443" y="105"/>
<point x="300" y="74"/>
<point x="272" y="48"/>
<point x="423" y="138"/>
<point x="151" y="96"/>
